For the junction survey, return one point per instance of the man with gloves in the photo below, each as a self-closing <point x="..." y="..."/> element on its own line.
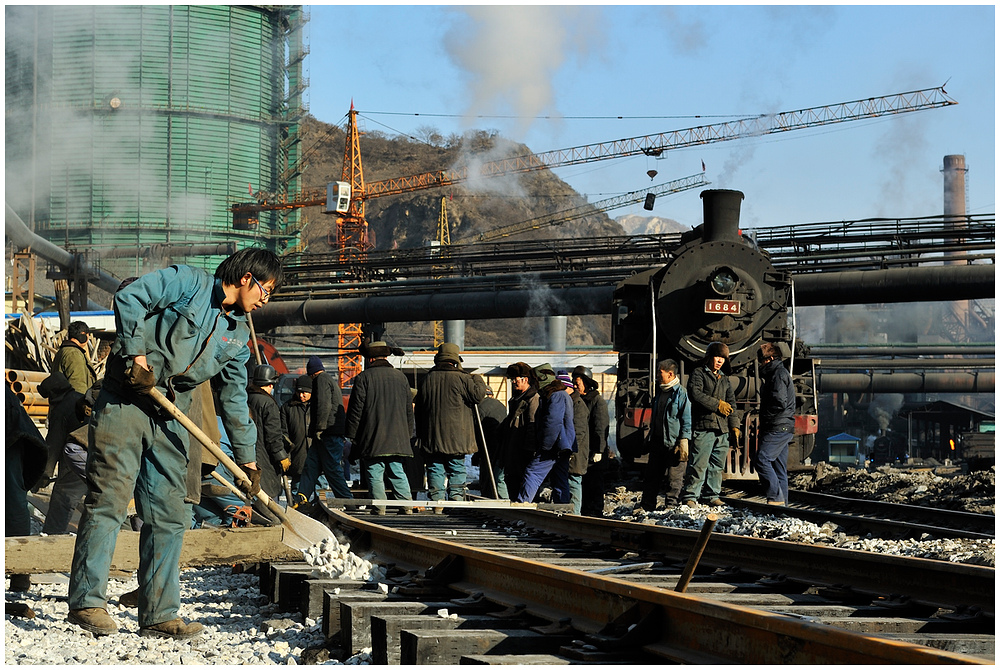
<point x="555" y="438"/>
<point x="295" y="420"/>
<point x="714" y="423"/>
<point x="272" y="458"/>
<point x="176" y="328"/>
<point x="667" y="438"/>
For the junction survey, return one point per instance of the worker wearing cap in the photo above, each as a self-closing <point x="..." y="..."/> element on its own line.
<point x="328" y="442"/>
<point x="713" y="420"/>
<point x="73" y="360"/>
<point x="176" y="328"/>
<point x="555" y="438"/>
<point x="777" y="424"/>
<point x="272" y="458"/>
<point x="380" y="424"/>
<point x="518" y="429"/>
<point x="295" y="420"/>
<point x="444" y="418"/>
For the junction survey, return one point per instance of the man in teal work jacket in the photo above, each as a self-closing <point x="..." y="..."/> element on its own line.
<point x="176" y="328"/>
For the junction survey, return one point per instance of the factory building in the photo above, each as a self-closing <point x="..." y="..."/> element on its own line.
<point x="131" y="129"/>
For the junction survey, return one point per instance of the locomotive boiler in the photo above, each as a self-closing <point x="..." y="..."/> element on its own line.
<point x="717" y="287"/>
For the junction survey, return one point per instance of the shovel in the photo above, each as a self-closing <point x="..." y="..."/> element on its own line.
<point x="485" y="452"/>
<point x="300" y="531"/>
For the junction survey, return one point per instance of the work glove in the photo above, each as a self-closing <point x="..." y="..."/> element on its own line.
<point x="734" y="437"/>
<point x="140" y="379"/>
<point x="682" y="448"/>
<point x="285" y="464"/>
<point x="254" y="487"/>
<point x="596" y="458"/>
<point x="725" y="409"/>
<point x="83" y="410"/>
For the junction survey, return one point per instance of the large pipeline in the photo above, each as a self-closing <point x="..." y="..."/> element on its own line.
<point x="943" y="283"/>
<point x="907" y="382"/>
<point x="24" y="238"/>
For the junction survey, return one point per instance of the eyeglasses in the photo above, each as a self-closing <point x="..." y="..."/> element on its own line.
<point x="265" y="294"/>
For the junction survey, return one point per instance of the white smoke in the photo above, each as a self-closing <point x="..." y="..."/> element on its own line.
<point x="884" y="407"/>
<point x="512" y="54"/>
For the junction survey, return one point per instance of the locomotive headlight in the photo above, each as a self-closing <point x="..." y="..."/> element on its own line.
<point x="723" y="281"/>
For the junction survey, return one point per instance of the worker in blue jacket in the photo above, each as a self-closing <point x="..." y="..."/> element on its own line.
<point x="176" y="328"/>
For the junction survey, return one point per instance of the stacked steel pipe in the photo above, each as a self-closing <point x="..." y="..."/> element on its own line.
<point x="24" y="384"/>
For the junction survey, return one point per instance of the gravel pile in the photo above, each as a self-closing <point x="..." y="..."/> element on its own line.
<point x="972" y="492"/>
<point x="241" y="627"/>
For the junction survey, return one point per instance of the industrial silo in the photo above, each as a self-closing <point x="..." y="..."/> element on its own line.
<point x="132" y="128"/>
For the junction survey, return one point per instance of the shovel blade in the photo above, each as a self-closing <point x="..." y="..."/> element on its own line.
<point x="302" y="532"/>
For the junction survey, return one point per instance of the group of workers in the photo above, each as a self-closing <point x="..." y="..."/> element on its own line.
<point x="179" y="328"/>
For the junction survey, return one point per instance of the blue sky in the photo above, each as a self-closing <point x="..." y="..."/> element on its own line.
<point x="531" y="72"/>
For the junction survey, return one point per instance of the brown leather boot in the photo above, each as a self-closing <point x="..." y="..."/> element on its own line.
<point x="176" y="629"/>
<point x="95" y="620"/>
<point x="130" y="599"/>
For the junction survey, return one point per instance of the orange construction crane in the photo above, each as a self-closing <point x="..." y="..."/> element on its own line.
<point x="352" y="228"/>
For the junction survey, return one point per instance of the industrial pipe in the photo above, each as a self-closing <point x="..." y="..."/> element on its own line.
<point x="902" y="350"/>
<point x="438" y="306"/>
<point x="900" y="363"/>
<point x="919" y="284"/>
<point x="907" y="382"/>
<point x="184" y="249"/>
<point x="23" y="238"/>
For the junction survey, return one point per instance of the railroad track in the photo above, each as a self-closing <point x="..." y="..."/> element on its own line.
<point x="562" y="588"/>
<point x="893" y="520"/>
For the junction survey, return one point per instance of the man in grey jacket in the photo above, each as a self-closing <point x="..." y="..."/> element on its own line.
<point x="714" y="419"/>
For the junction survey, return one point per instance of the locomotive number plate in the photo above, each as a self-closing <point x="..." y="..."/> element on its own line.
<point x="722" y="306"/>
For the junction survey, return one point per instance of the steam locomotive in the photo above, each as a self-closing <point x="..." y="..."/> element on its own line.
<point x="717" y="287"/>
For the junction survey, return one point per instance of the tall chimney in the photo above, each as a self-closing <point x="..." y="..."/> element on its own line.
<point x="722" y="214"/>
<point x="954" y="212"/>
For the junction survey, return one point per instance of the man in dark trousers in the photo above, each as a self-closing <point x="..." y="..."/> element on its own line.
<point x="492" y="413"/>
<point x="518" y="429"/>
<point x="380" y="424"/>
<point x="176" y="328"/>
<point x="272" y="458"/>
<point x="777" y="424"/>
<point x="443" y="413"/>
<point x="714" y="419"/>
<point x="667" y="438"/>
<point x="327" y="453"/>
<point x="600" y="456"/>
<point x="555" y="439"/>
<point x="295" y="420"/>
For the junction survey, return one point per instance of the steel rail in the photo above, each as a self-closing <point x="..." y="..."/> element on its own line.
<point x="677" y="627"/>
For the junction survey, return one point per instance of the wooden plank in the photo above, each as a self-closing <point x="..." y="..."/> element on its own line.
<point x="513" y="659"/>
<point x="386" y="630"/>
<point x="331" y="607"/>
<point x="33" y="554"/>
<point x="311" y="595"/>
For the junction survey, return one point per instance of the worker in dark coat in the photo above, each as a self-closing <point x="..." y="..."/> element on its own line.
<point x="580" y="460"/>
<point x="72" y="358"/>
<point x="599" y="454"/>
<point x="444" y="418"/>
<point x="380" y="424"/>
<point x="715" y="422"/>
<point x="328" y="442"/>
<point x="25" y="465"/>
<point x="67" y="440"/>
<point x="517" y="431"/>
<point x="272" y="458"/>
<point x="295" y="419"/>
<point x="555" y="439"/>
<point x="777" y="424"/>
<point x="491" y="413"/>
<point x="668" y="439"/>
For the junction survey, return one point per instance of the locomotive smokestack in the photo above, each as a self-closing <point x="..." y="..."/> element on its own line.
<point x="722" y="214"/>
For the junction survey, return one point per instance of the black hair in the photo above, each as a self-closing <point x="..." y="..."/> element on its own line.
<point x="667" y="365"/>
<point x="264" y="265"/>
<point x="76" y="330"/>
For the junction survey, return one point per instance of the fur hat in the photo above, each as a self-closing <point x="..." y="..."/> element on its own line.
<point x="314" y="365"/>
<point x="518" y="370"/>
<point x="564" y="377"/>
<point x="304" y="383"/>
<point x="717" y="349"/>
<point x="580" y="372"/>
<point x="379" y="349"/>
<point x="546" y="375"/>
<point x="448" y="353"/>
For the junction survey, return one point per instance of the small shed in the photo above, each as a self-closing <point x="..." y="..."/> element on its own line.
<point x="844" y="448"/>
